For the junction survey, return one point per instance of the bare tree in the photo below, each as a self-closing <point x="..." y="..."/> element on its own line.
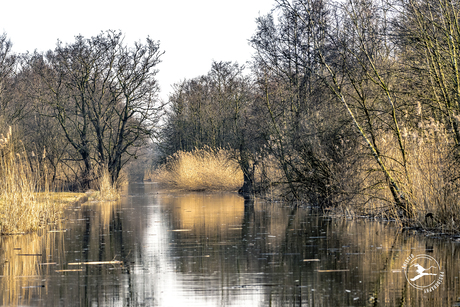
<point x="104" y="97"/>
<point x="9" y="110"/>
<point x="429" y="34"/>
<point x="294" y="97"/>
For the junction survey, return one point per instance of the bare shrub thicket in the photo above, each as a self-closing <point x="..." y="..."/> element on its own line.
<point x="351" y="106"/>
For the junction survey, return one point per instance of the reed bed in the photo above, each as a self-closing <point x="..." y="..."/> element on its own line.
<point x="201" y="170"/>
<point x="432" y="180"/>
<point x="107" y="190"/>
<point x="429" y="180"/>
<point x="22" y="208"/>
<point x="19" y="210"/>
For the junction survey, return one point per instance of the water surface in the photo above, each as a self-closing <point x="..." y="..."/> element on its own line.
<point x="162" y="248"/>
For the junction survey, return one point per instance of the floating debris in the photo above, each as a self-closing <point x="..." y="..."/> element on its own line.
<point x="311" y="260"/>
<point x="179" y="257"/>
<point x="327" y="271"/>
<point x="32" y="255"/>
<point x="96" y="262"/>
<point x="70" y="270"/>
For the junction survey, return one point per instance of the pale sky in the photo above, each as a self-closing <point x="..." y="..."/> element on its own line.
<point x="191" y="32"/>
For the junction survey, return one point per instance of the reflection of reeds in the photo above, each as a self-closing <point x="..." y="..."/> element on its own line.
<point x="105" y="210"/>
<point x="20" y="258"/>
<point x="206" y="213"/>
<point x="201" y="169"/>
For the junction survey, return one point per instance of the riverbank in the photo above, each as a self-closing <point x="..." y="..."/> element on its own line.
<point x="411" y="227"/>
<point x="41" y="210"/>
<point x="219" y="170"/>
<point x="22" y="208"/>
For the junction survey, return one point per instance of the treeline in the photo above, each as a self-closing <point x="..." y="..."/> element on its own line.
<point x="81" y="108"/>
<point x="345" y="102"/>
<point x="351" y="104"/>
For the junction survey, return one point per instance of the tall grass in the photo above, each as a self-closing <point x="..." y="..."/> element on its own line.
<point x="21" y="208"/>
<point x="433" y="177"/>
<point x="107" y="189"/>
<point x="19" y="211"/>
<point x="201" y="169"/>
<point x="429" y="180"/>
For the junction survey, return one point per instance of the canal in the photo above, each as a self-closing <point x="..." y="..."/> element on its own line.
<point x="166" y="248"/>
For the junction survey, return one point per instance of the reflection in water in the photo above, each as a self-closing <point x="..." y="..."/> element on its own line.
<point x="19" y="259"/>
<point x="198" y="249"/>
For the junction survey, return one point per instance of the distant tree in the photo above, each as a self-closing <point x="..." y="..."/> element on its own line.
<point x="10" y="108"/>
<point x="214" y="110"/>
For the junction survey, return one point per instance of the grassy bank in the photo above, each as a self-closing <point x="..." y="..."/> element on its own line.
<point x="427" y="180"/>
<point x="24" y="215"/>
<point x="22" y="208"/>
<point x="200" y="170"/>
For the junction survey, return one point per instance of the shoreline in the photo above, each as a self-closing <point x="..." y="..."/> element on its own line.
<point x="59" y="201"/>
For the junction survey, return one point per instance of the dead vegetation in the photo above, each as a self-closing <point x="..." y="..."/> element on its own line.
<point x="199" y="170"/>
<point x="26" y="201"/>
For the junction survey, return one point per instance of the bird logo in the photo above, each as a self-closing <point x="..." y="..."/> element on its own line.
<point x="421" y="271"/>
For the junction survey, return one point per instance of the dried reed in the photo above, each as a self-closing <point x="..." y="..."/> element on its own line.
<point x="107" y="190"/>
<point x="19" y="211"/>
<point x="201" y="169"/>
<point x="22" y="209"/>
<point x="429" y="178"/>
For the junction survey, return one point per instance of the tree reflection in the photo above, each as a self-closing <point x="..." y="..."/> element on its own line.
<point x="197" y="249"/>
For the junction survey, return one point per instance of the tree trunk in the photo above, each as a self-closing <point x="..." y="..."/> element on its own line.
<point x="247" y="190"/>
